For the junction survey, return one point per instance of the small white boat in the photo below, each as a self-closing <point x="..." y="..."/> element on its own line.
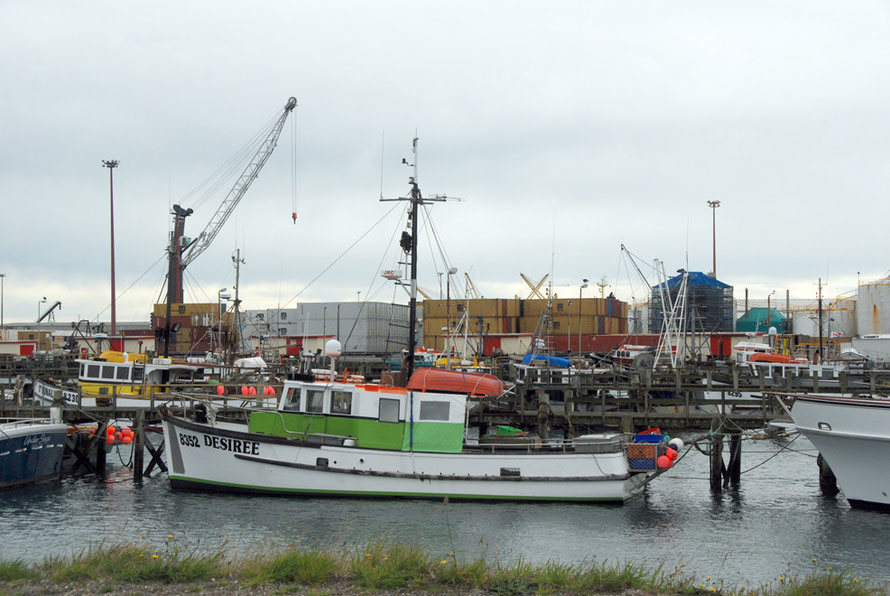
<point x="853" y="435"/>
<point x="31" y="450"/>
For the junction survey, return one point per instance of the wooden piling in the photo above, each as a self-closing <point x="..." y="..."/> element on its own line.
<point x="101" y="448"/>
<point x="717" y="467"/>
<point x="139" y="447"/>
<point x="735" y="457"/>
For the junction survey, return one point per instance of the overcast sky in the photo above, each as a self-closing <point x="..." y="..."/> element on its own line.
<point x="567" y="128"/>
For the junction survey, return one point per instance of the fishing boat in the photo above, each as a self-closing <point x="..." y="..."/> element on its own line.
<point x="31" y="450"/>
<point x="135" y="381"/>
<point x="329" y="436"/>
<point x="125" y="373"/>
<point x="335" y="436"/>
<point x="853" y="435"/>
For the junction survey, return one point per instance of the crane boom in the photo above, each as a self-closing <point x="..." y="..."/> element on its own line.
<point x="182" y="253"/>
<point x="193" y="250"/>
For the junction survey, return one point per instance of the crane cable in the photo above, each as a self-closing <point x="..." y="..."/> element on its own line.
<point x="293" y="165"/>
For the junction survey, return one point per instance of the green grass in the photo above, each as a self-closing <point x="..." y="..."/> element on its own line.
<point x="386" y="566"/>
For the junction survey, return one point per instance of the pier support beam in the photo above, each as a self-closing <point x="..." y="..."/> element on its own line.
<point x="101" y="450"/>
<point x="718" y="469"/>
<point x="735" y="458"/>
<point x="139" y="447"/>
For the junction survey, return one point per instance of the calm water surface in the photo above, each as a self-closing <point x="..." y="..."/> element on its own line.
<point x="775" y="523"/>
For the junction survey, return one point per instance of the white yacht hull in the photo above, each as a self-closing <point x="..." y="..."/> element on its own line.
<point x="218" y="457"/>
<point x="853" y="435"/>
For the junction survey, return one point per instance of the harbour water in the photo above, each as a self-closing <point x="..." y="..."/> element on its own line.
<point x="775" y="524"/>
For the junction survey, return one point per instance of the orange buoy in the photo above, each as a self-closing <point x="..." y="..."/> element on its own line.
<point x="109" y="440"/>
<point x="220" y="390"/>
<point x="244" y="390"/>
<point x="671" y="453"/>
<point x="252" y="391"/>
<point x="127" y="439"/>
<point x="110" y="430"/>
<point x="663" y="462"/>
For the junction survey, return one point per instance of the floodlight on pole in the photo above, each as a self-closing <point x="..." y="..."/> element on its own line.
<point x="713" y="205"/>
<point x="580" y="291"/>
<point x="111" y="164"/>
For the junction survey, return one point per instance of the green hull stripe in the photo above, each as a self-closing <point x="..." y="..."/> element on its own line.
<point x="349" y="493"/>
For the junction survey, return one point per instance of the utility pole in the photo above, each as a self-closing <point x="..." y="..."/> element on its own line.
<point x="820" y="321"/>
<point x="2" y="278"/>
<point x="713" y="205"/>
<point x="111" y="164"/>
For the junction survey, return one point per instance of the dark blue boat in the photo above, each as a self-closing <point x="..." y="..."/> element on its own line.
<point x="31" y="450"/>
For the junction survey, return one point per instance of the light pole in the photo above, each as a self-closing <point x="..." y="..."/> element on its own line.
<point x="769" y="311"/>
<point x="713" y="205"/>
<point x="219" y="299"/>
<point x="111" y="164"/>
<point x="2" y="276"/>
<point x="39" y="302"/>
<point x="580" y="290"/>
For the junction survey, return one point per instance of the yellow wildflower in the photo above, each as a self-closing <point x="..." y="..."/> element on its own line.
<point x="444" y="562"/>
<point x="155" y="556"/>
<point x="170" y="536"/>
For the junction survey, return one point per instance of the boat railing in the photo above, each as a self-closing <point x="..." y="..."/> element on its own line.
<point x="611" y="444"/>
<point x="9" y="423"/>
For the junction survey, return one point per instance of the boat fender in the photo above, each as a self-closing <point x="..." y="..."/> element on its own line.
<point x="200" y="413"/>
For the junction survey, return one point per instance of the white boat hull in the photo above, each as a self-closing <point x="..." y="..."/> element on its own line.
<point x="853" y="435"/>
<point x="206" y="457"/>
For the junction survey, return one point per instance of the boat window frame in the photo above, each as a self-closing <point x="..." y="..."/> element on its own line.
<point x="388" y="401"/>
<point x="94" y="371"/>
<point x="436" y="404"/>
<point x="339" y="393"/>
<point x="291" y="401"/>
<point x="110" y="369"/>
<point x="308" y="394"/>
<point x="122" y="377"/>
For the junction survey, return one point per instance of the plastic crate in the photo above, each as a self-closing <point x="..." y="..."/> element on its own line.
<point x="648" y="438"/>
<point x="641" y="456"/>
<point x="641" y="451"/>
<point x="637" y="464"/>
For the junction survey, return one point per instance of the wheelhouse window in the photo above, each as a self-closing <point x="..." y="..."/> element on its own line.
<point x="108" y="372"/>
<point x="123" y="373"/>
<point x="83" y="370"/>
<point x="388" y="410"/>
<point x="314" y="401"/>
<point x="434" y="410"/>
<point x="341" y="402"/>
<point x="138" y="373"/>
<point x="292" y="400"/>
<point x="93" y="371"/>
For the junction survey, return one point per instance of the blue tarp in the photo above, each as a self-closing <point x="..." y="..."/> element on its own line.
<point x="696" y="279"/>
<point x="547" y="360"/>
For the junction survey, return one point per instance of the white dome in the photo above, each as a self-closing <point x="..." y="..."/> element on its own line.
<point x="333" y="348"/>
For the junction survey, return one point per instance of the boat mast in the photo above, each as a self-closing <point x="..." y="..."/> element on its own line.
<point x="408" y="243"/>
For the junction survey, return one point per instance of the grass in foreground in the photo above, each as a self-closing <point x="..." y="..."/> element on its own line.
<point x="388" y="566"/>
